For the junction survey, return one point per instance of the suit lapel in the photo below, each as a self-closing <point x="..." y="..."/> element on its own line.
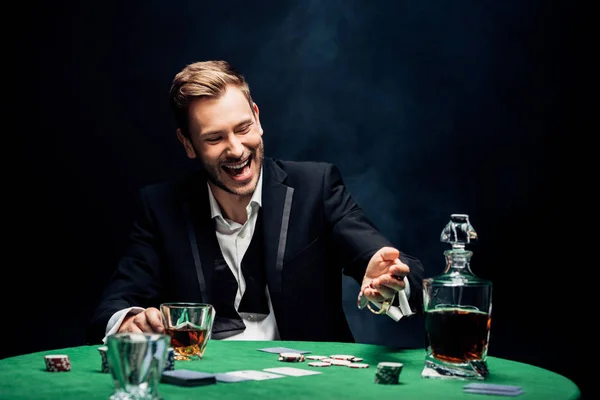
<point x="201" y="234"/>
<point x="277" y="199"/>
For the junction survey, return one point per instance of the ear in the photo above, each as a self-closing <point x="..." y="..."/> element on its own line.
<point x="255" y="109"/>
<point x="187" y="144"/>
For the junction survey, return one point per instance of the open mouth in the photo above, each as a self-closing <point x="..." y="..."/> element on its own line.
<point x="240" y="170"/>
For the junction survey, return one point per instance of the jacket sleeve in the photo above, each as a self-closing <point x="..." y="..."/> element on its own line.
<point x="357" y="238"/>
<point x="137" y="278"/>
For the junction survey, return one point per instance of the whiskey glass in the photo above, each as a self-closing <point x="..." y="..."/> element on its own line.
<point x="189" y="325"/>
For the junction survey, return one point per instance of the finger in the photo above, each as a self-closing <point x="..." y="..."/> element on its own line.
<point x="388" y="253"/>
<point x="385" y="286"/>
<point x="129" y="327"/>
<point x="154" y="319"/>
<point x="399" y="269"/>
<point x="391" y="282"/>
<point x="379" y="263"/>
<point x="141" y="322"/>
<point x="373" y="295"/>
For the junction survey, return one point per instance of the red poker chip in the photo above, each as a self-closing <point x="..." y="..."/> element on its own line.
<point x="291" y="357"/>
<point x="57" y="363"/>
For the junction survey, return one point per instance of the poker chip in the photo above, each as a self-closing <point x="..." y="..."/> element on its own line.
<point x="342" y="357"/>
<point x="291" y="357"/>
<point x="170" y="361"/>
<point x="318" y="358"/>
<point x="339" y="362"/>
<point x="358" y="365"/>
<point x="356" y="359"/>
<point x="388" y="372"/>
<point x="104" y="365"/>
<point x="319" y="364"/>
<point x="57" y="363"/>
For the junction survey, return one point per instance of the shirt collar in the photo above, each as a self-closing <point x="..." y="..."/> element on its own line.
<point x="215" y="210"/>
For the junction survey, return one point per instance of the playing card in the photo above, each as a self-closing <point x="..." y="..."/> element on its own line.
<point x="291" y="371"/>
<point x="493" y="386"/>
<point x="494" y="392"/>
<point x="228" y="378"/>
<point x="255" y="375"/>
<point x="490" y="388"/>
<point x="278" y="350"/>
<point x="184" y="377"/>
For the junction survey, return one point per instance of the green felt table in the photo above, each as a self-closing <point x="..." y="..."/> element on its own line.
<point x="25" y="376"/>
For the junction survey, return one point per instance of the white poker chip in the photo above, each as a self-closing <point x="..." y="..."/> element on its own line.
<point x="319" y="364"/>
<point x="356" y="359"/>
<point x="342" y="357"/>
<point x="318" y="358"/>
<point x="358" y="365"/>
<point x="390" y="365"/>
<point x="340" y="362"/>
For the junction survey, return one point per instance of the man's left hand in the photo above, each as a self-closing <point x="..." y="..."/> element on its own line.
<point x="384" y="276"/>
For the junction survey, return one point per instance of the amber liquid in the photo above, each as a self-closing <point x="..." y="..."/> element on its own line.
<point x="456" y="335"/>
<point x="188" y="342"/>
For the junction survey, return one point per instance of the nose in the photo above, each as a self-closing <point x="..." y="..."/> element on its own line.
<point x="235" y="149"/>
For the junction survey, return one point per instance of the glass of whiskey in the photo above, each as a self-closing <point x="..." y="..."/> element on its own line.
<point x="189" y="325"/>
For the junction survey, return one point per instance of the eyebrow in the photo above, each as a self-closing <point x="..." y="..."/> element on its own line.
<point x="238" y="125"/>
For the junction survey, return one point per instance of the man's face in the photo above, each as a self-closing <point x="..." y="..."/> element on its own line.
<point x="226" y="137"/>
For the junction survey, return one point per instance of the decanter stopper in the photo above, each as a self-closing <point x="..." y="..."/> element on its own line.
<point x="458" y="232"/>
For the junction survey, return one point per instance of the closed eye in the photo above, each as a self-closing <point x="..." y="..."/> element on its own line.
<point x="245" y="129"/>
<point x="213" y="139"/>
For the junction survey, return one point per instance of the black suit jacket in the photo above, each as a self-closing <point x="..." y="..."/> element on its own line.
<point x="313" y="231"/>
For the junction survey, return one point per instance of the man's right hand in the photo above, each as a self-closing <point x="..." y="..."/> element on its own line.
<point x="149" y="320"/>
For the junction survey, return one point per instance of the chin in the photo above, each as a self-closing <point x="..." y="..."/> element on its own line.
<point x="246" y="190"/>
<point x="243" y="190"/>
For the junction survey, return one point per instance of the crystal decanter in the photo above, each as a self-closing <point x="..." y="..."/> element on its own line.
<point x="458" y="308"/>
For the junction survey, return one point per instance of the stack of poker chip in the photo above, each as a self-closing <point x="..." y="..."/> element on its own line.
<point x="57" y="363"/>
<point x="388" y="372"/>
<point x="291" y="357"/>
<point x="170" y="361"/>
<point x="104" y="365"/>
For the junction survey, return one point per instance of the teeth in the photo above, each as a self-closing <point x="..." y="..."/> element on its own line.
<point x="242" y="165"/>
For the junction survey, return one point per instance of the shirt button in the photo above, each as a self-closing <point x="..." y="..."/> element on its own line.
<point x="250" y="317"/>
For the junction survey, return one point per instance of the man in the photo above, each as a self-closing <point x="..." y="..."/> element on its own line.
<point x="264" y="241"/>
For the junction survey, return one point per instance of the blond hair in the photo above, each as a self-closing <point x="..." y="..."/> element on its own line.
<point x="203" y="79"/>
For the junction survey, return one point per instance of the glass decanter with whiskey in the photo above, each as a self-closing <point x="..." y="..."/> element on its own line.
<point x="457" y="306"/>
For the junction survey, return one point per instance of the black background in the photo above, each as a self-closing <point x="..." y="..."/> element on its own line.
<point x="428" y="107"/>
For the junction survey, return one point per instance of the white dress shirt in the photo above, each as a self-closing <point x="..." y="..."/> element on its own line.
<point x="234" y="239"/>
